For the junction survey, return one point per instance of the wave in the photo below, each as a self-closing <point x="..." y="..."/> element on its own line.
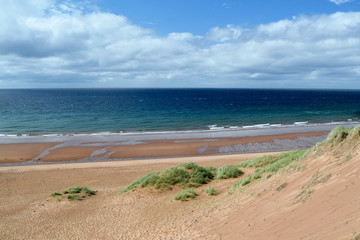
<point x="209" y="128"/>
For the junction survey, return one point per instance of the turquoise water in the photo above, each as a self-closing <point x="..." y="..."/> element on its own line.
<point x="76" y="111"/>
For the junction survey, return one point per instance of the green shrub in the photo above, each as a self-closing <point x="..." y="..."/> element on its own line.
<point x="185" y="195"/>
<point x="211" y="191"/>
<point x="228" y="171"/>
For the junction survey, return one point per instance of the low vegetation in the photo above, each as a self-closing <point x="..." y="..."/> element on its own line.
<point x="228" y="171"/>
<point x="340" y="136"/>
<point x="190" y="175"/>
<point x="73" y="193"/>
<point x="185" y="175"/>
<point x="211" y="191"/>
<point x="268" y="165"/>
<point x="185" y="195"/>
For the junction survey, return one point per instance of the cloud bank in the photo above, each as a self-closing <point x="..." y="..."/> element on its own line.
<point x="44" y="44"/>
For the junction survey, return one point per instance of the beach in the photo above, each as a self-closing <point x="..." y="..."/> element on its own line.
<point x="128" y="120"/>
<point x="26" y="213"/>
<point x="260" y="212"/>
<point x="33" y="168"/>
<point x="91" y="148"/>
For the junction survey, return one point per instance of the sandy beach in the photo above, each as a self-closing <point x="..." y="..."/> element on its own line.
<point x="260" y="211"/>
<point x="48" y="150"/>
<point x="26" y="213"/>
<point x="179" y="120"/>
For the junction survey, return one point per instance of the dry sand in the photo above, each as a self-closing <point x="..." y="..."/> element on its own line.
<point x="319" y="201"/>
<point x="25" y="213"/>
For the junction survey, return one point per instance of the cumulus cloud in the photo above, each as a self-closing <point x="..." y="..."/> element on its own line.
<point x="49" y="44"/>
<point x="230" y="32"/>
<point x="339" y="2"/>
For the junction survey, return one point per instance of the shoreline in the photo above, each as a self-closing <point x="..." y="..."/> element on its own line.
<point x="101" y="148"/>
<point x="13" y="154"/>
<point x="253" y="130"/>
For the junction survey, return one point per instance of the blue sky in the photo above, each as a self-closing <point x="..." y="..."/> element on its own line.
<point x="198" y="16"/>
<point x="201" y="43"/>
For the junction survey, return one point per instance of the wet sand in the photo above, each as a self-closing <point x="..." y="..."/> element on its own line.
<point x="85" y="150"/>
<point x="191" y="147"/>
<point x="22" y="152"/>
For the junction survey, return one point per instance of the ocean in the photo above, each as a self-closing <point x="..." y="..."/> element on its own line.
<point x="114" y="111"/>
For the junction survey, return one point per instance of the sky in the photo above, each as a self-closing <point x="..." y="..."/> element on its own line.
<point x="180" y="44"/>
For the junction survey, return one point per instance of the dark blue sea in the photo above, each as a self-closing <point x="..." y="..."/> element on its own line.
<point x="101" y="111"/>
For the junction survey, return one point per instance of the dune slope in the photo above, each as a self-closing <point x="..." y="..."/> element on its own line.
<point x="318" y="198"/>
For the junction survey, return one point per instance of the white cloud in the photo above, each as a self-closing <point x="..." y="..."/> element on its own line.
<point x="339" y="2"/>
<point x="71" y="45"/>
<point x="230" y="32"/>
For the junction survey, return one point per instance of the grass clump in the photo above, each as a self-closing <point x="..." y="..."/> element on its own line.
<point x="228" y="171"/>
<point x="337" y="135"/>
<point x="75" y="197"/>
<point x="340" y="136"/>
<point x="268" y="164"/>
<point x="72" y="190"/>
<point x="211" y="191"/>
<point x="263" y="160"/>
<point x="185" y="195"/>
<point x="185" y="175"/>
<point x="74" y="193"/>
<point x="54" y="194"/>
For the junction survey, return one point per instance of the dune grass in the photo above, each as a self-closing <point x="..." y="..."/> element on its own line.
<point x="269" y="164"/>
<point x="185" y="175"/>
<point x="74" y="193"/>
<point x="337" y="135"/>
<point x="190" y="175"/>
<point x="75" y="197"/>
<point x="275" y="163"/>
<point x="54" y="194"/>
<point x="211" y="191"/>
<point x="185" y="195"/>
<point x="227" y="171"/>
<point x="78" y="190"/>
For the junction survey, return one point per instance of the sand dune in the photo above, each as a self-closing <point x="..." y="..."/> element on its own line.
<point x="317" y="199"/>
